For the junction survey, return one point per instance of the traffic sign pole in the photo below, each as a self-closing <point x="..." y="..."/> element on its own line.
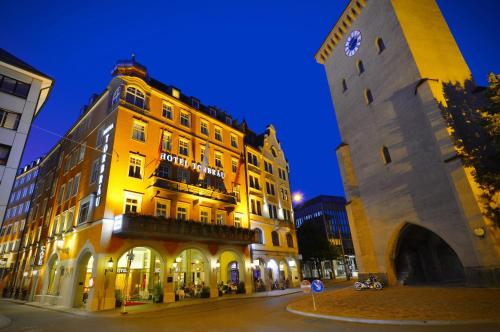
<point x="314" y="302"/>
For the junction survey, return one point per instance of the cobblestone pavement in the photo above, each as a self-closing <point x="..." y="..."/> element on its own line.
<point x="407" y="303"/>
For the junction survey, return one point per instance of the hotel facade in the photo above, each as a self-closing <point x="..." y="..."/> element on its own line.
<point x="152" y="196"/>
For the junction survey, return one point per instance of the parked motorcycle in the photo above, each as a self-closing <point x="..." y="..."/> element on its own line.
<point x="370" y="283"/>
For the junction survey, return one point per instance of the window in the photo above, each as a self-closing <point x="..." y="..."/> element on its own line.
<point x="55" y="225"/>
<point x="234" y="141"/>
<point x="204" y="128"/>
<point x="135" y="97"/>
<point x="270" y="188"/>
<point x="100" y="137"/>
<point x="268" y="167"/>
<point x="69" y="189"/>
<point x="166" y="141"/>
<point x="273" y="212"/>
<point x="162" y="208"/>
<point x="252" y="159"/>
<point x="165" y="170"/>
<point x="185" y="119"/>
<point x="237" y="221"/>
<point x="184" y="147"/>
<point x="47" y="217"/>
<point x="380" y="45"/>
<point x="83" y="213"/>
<point x="234" y="165"/>
<point x="183" y="175"/>
<point x="386" y="155"/>
<point x="218" y="134"/>
<point x="94" y="172"/>
<point x="76" y="184"/>
<point x="181" y="213"/>
<point x="9" y="120"/>
<point x="213" y="112"/>
<point x="135" y="167"/>
<point x="254" y="182"/>
<point x="282" y="173"/>
<point x="289" y="240"/>
<point x="4" y="154"/>
<point x="368" y="96"/>
<point x="276" y="239"/>
<point x="53" y="188"/>
<point x="284" y="194"/>
<point x="229" y="121"/>
<point x="132" y="203"/>
<point x="256" y="207"/>
<point x="258" y="236"/>
<point x="81" y="155"/>
<point x="202" y="153"/>
<point x="218" y="159"/>
<point x="204" y="216"/>
<point x="221" y="216"/>
<point x="139" y="131"/>
<point x="195" y="102"/>
<point x="14" y="87"/>
<point x="344" y="85"/>
<point x="167" y="111"/>
<point x="361" y="67"/>
<point x="61" y="194"/>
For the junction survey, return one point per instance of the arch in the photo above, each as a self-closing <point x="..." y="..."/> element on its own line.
<point x="139" y="275"/>
<point x="229" y="273"/>
<point x="51" y="276"/>
<point x="275" y="238"/>
<point x="135" y="96"/>
<point x="85" y="269"/>
<point x="379" y="42"/>
<point x="289" y="240"/>
<point x="272" y="270"/>
<point x="423" y="257"/>
<point x="191" y="271"/>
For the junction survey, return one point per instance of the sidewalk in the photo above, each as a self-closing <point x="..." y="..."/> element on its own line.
<point x="404" y="305"/>
<point x="150" y="307"/>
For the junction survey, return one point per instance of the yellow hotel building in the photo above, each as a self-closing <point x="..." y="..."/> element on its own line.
<point x="154" y="197"/>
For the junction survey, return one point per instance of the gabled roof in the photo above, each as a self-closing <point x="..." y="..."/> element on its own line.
<point x="15" y="61"/>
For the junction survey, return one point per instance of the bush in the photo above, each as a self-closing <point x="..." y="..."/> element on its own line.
<point x="205" y="292"/>
<point x="118" y="298"/>
<point x="241" y="288"/>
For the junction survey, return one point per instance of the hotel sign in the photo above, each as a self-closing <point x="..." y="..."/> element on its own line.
<point x="193" y="165"/>
<point x="102" y="167"/>
<point x="41" y="255"/>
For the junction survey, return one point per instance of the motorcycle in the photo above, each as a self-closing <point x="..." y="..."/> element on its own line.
<point x="370" y="283"/>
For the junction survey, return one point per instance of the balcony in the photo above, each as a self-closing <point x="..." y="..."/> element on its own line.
<point x="159" y="228"/>
<point x="229" y="198"/>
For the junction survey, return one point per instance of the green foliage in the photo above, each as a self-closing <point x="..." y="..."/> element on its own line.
<point x="313" y="244"/>
<point x="205" y="292"/>
<point x="474" y="117"/>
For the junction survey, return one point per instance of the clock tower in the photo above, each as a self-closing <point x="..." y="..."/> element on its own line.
<point x="414" y="208"/>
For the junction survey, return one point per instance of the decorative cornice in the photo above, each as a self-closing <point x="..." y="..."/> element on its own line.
<point x="351" y="12"/>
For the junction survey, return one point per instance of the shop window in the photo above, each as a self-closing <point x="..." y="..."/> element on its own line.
<point x="135" y="97"/>
<point x="275" y="238"/>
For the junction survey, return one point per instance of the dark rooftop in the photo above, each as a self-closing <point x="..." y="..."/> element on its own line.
<point x="12" y="60"/>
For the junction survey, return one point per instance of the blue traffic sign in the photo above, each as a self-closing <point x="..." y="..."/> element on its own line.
<point x="317" y="286"/>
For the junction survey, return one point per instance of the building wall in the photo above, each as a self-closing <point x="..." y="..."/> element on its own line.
<point x="419" y="185"/>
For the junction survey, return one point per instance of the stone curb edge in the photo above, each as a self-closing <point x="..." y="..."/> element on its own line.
<point x="390" y="321"/>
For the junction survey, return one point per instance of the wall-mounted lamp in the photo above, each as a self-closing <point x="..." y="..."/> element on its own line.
<point x="178" y="259"/>
<point x="109" y="266"/>
<point x="216" y="266"/>
<point x="25" y="274"/>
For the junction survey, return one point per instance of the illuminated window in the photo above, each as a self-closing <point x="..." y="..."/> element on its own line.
<point x="162" y="208"/>
<point x="252" y="159"/>
<point x="368" y="97"/>
<point x="69" y="189"/>
<point x="221" y="218"/>
<point x="205" y="216"/>
<point x="276" y="239"/>
<point x="184" y="147"/>
<point x="218" y="159"/>
<point x="237" y="221"/>
<point x="81" y="153"/>
<point x="132" y="203"/>
<point x="234" y="165"/>
<point x="202" y="152"/>
<point x="76" y="184"/>
<point x="182" y="213"/>
<point x="185" y="119"/>
<point x="234" y="141"/>
<point x="380" y="45"/>
<point x="61" y="194"/>
<point x="204" y="128"/>
<point x="139" y="131"/>
<point x="83" y="213"/>
<point x="167" y="111"/>
<point x="166" y="143"/>
<point x="135" y="167"/>
<point x="135" y="97"/>
<point x="218" y="134"/>
<point x="183" y="175"/>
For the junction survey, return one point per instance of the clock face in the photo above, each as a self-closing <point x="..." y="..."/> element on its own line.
<point x="353" y="42"/>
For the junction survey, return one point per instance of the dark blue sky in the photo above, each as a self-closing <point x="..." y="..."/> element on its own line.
<point x="253" y="59"/>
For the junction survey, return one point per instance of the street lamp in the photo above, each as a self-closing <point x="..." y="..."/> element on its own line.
<point x="109" y="266"/>
<point x="130" y="258"/>
<point x="297" y="197"/>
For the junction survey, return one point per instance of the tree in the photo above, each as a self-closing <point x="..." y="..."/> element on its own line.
<point x="473" y="116"/>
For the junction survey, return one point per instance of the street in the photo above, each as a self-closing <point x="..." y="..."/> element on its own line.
<point x="256" y="314"/>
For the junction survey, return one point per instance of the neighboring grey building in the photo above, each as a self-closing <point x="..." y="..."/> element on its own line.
<point x="23" y="92"/>
<point x="414" y="208"/>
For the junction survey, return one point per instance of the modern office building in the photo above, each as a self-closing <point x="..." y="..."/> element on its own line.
<point x="148" y="198"/>
<point x="414" y="208"/>
<point x="23" y="92"/>
<point x="324" y="218"/>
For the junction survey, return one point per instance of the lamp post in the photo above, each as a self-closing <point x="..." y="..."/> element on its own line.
<point x="130" y="258"/>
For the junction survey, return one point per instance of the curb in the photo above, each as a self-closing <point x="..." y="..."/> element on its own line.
<point x="392" y="321"/>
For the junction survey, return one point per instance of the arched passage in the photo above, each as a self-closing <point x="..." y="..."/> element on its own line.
<point x="191" y="274"/>
<point x="84" y="279"/>
<point x="52" y="276"/>
<point x="423" y="257"/>
<point x="138" y="276"/>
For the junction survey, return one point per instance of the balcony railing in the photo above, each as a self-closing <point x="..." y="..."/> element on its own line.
<point x="167" y="184"/>
<point x="150" y="227"/>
